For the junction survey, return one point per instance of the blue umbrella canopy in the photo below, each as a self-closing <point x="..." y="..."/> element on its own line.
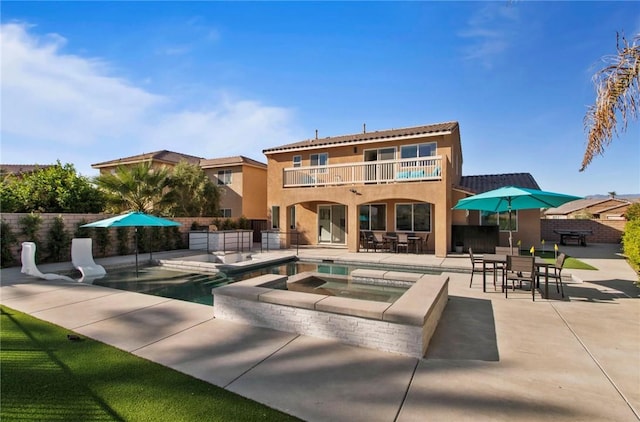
<point x="513" y="198"/>
<point x="133" y="219"/>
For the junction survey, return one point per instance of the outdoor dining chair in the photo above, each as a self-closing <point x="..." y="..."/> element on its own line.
<point x="476" y="267"/>
<point x="402" y="242"/>
<point x="556" y="272"/>
<point x="520" y="268"/>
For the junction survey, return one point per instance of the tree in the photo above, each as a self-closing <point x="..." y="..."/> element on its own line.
<point x="54" y="189"/>
<point x="191" y="193"/>
<point x="134" y="188"/>
<point x="617" y="93"/>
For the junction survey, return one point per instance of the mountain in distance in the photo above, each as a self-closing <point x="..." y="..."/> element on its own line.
<point x="629" y="197"/>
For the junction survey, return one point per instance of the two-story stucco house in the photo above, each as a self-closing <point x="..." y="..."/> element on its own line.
<point x="241" y="180"/>
<point x="400" y="180"/>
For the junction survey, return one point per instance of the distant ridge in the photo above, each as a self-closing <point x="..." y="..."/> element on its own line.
<point x="630" y="196"/>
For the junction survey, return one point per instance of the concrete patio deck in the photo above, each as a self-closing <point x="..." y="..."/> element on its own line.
<point x="491" y="358"/>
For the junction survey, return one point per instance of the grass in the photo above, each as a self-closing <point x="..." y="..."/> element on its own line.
<point x="45" y="377"/>
<point x="569" y="263"/>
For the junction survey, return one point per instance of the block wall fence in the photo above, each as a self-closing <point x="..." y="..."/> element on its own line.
<point x="604" y="231"/>
<point x="71" y="222"/>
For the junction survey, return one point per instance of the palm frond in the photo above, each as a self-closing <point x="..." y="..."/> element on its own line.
<point x="617" y="94"/>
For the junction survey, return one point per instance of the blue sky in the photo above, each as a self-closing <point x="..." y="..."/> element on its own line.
<point x="85" y="82"/>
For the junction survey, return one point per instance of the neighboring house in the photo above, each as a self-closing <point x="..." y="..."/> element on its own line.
<point x="242" y="181"/>
<point x="20" y="169"/>
<point x="243" y="185"/>
<point x="596" y="208"/>
<point x="403" y="180"/>
<point x="157" y="159"/>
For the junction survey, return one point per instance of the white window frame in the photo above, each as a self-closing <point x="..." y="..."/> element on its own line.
<point x="369" y="216"/>
<point x="297" y="161"/>
<point x="225" y="212"/>
<point x="318" y="161"/>
<point x="504" y="215"/>
<point x="417" y="149"/>
<point x="225" y="177"/>
<point x="413" y="223"/>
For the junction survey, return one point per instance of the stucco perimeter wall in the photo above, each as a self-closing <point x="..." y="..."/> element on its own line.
<point x="604" y="231"/>
<point x="404" y="327"/>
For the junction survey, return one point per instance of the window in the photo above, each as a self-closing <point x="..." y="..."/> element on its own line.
<point x="413" y="217"/>
<point x="297" y="160"/>
<point x="321" y="159"/>
<point x="373" y="217"/>
<point x="500" y="219"/>
<point x="225" y="212"/>
<point x="420" y="150"/>
<point x="224" y="177"/>
<point x="292" y="217"/>
<point x="275" y="217"/>
<point x="379" y="154"/>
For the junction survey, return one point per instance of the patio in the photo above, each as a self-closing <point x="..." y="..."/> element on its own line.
<point x="490" y="359"/>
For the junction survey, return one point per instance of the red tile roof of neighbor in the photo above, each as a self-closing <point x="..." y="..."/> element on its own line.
<point x="487" y="182"/>
<point x="22" y="168"/>
<point x="434" y="129"/>
<point x="581" y="204"/>
<point x="230" y="161"/>
<point x="162" y="156"/>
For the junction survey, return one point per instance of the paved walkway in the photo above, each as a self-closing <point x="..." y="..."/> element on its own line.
<point x="491" y="358"/>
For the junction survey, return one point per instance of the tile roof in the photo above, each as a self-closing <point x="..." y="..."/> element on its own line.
<point x="231" y="161"/>
<point x="163" y="155"/>
<point x="487" y="182"/>
<point x="437" y="128"/>
<point x="580" y="204"/>
<point x="22" y="168"/>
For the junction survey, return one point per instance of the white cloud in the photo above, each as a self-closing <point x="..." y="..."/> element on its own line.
<point x="489" y="32"/>
<point x="69" y="105"/>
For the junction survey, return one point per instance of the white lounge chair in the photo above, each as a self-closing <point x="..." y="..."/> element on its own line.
<point x="29" y="266"/>
<point x="82" y="259"/>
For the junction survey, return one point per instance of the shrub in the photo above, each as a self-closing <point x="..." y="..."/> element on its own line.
<point x="58" y="241"/>
<point x="122" y="233"/>
<point x="633" y="212"/>
<point x="8" y="239"/>
<point x="82" y="231"/>
<point x="30" y="225"/>
<point x="631" y="242"/>
<point x="102" y="241"/>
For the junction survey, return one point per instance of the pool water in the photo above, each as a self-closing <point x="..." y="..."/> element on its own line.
<point x="343" y="288"/>
<point x="196" y="287"/>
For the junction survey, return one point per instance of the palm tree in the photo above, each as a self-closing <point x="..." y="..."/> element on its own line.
<point x="134" y="188"/>
<point x="618" y="92"/>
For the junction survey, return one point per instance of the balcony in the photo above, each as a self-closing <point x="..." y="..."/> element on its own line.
<point x="368" y="172"/>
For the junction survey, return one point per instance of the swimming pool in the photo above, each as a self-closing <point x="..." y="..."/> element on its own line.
<point x="196" y="287"/>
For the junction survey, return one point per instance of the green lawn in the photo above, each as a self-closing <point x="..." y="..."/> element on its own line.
<point x="569" y="263"/>
<point x="44" y="376"/>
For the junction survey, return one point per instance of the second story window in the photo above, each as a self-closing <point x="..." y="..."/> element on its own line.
<point x="297" y="160"/>
<point x="319" y="160"/>
<point x="420" y="150"/>
<point x="224" y="177"/>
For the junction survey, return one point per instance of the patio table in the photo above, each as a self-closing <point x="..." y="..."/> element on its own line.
<point x="495" y="259"/>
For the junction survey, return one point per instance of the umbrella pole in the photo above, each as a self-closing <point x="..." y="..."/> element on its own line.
<point x="510" y="232"/>
<point x="135" y="237"/>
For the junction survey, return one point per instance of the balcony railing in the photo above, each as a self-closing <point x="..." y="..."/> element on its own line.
<point x="388" y="171"/>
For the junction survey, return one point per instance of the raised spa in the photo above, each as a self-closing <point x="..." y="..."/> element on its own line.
<point x="404" y="325"/>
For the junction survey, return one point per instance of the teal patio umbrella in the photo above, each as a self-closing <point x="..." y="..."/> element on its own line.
<point x="511" y="198"/>
<point x="133" y="219"/>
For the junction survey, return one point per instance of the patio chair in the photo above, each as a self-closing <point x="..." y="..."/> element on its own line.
<point x="476" y="267"/>
<point x="366" y="240"/>
<point x="29" y="267"/>
<point x="506" y="250"/>
<point x="379" y="241"/>
<point x="556" y="274"/>
<point x="402" y="242"/>
<point x="520" y="268"/>
<point x="82" y="258"/>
